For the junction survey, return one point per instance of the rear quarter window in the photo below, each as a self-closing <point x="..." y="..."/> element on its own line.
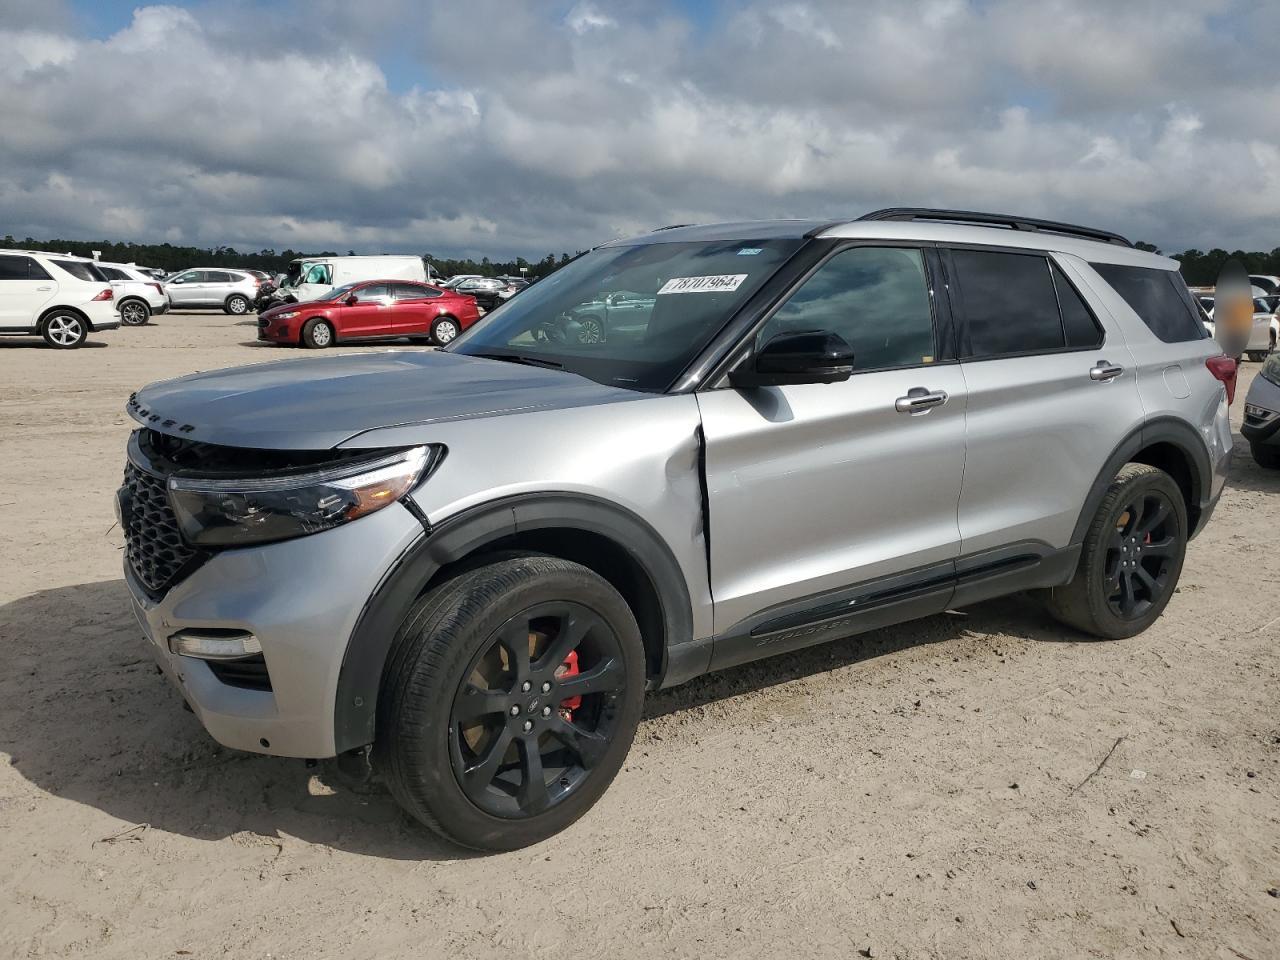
<point x="80" y="269"/>
<point x="1159" y="297"/>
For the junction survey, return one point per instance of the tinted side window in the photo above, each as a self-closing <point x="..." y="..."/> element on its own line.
<point x="35" y="271"/>
<point x="1010" y="306"/>
<point x="877" y="298"/>
<point x="1159" y="297"/>
<point x="111" y="273"/>
<point x="13" y="268"/>
<point x="80" y="269"/>
<point x="375" y="291"/>
<point x="218" y="276"/>
<point x="1078" y="322"/>
<point x="410" y="291"/>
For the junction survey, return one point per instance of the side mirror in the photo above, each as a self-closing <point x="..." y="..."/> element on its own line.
<point x="813" y="356"/>
<point x="179" y="280"/>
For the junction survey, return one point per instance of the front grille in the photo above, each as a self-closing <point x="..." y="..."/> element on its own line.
<point x="249" y="673"/>
<point x="153" y="545"/>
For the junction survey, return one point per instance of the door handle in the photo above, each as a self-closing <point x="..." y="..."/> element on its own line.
<point x="44" y="289"/>
<point x="920" y="400"/>
<point x="1104" y="371"/>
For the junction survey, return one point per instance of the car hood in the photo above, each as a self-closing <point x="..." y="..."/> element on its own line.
<point x="319" y="403"/>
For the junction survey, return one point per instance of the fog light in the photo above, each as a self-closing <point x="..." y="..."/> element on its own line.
<point x="214" y="644"/>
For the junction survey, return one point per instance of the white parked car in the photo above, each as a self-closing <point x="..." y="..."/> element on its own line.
<point x="59" y="297"/>
<point x="1266" y="325"/>
<point x="138" y="294"/>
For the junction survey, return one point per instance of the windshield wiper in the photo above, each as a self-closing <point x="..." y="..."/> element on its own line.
<point x="521" y="358"/>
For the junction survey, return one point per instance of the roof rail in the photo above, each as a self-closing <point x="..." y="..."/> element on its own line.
<point x="995" y="220"/>
<point x="673" y="226"/>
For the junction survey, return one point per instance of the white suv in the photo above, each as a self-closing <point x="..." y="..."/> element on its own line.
<point x="61" y="298"/>
<point x="138" y="294"/>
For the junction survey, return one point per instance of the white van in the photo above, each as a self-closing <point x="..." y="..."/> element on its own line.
<point x="311" y="278"/>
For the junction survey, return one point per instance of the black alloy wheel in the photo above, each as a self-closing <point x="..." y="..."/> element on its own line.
<point x="1140" y="555"/>
<point x="537" y="709"/>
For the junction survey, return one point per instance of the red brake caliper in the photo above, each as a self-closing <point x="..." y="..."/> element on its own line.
<point x="569" y="669"/>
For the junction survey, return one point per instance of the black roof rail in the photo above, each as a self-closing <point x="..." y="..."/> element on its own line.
<point x="673" y="226"/>
<point x="996" y="220"/>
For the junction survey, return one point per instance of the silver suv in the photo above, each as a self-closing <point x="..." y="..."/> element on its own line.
<point x="232" y="291"/>
<point x="460" y="570"/>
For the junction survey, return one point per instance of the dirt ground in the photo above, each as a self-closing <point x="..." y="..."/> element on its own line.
<point x="931" y="790"/>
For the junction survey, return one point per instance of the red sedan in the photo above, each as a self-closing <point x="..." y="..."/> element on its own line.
<point x="371" y="310"/>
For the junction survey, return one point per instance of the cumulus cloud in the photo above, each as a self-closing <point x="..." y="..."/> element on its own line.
<point x="518" y="129"/>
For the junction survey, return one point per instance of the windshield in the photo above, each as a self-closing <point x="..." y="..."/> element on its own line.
<point x="629" y="316"/>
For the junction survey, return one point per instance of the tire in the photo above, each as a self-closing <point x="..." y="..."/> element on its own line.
<point x="465" y="771"/>
<point x="591" y="330"/>
<point x="444" y="330"/>
<point x="1267" y="457"/>
<point x="1257" y="356"/>
<point x="134" y="313"/>
<point x="1126" y="559"/>
<point x="64" y="330"/>
<point x="317" y="334"/>
<point x="236" y="305"/>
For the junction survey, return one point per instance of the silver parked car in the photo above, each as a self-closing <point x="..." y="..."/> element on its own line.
<point x="460" y="570"/>
<point x="1261" y="427"/>
<point x="232" y="291"/>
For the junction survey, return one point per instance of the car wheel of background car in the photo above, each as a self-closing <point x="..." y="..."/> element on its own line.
<point x="64" y="330"/>
<point x="236" y="305"/>
<point x="134" y="313"/>
<point x="509" y="701"/>
<point x="1131" y="559"/>
<point x="317" y="334"/>
<point x="591" y="330"/>
<point x="443" y="330"/>
<point x="1265" y="456"/>
<point x="1257" y="356"/>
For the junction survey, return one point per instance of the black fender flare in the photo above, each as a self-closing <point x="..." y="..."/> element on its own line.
<point x="360" y="677"/>
<point x="1160" y="430"/>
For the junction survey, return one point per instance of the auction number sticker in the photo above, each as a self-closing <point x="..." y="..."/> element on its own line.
<point x="725" y="283"/>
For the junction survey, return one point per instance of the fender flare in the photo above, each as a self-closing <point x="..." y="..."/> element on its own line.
<point x="360" y="676"/>
<point x="1160" y="430"/>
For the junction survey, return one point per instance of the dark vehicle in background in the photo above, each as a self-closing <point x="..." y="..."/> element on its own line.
<point x="486" y="290"/>
<point x="372" y="309"/>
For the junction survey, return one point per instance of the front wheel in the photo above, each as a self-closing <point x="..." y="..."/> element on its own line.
<point x="1131" y="558"/>
<point x="134" y="313"/>
<point x="509" y="701"/>
<point x="237" y="305"/>
<point x="317" y="334"/>
<point x="1265" y="456"/>
<point x="1257" y="356"/>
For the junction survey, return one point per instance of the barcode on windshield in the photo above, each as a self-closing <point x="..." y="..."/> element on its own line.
<point x="725" y="283"/>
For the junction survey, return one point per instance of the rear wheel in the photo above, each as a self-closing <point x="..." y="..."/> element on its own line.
<point x="509" y="701"/>
<point x="1265" y="456"/>
<point x="236" y="305"/>
<point x="1257" y="356"/>
<point x="134" y="313"/>
<point x="443" y="330"/>
<point x="1131" y="559"/>
<point x="317" y="334"/>
<point x="64" y="330"/>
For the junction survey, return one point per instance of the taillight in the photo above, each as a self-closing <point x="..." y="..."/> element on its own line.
<point x="1223" y="368"/>
<point x="105" y="295"/>
<point x="157" y="288"/>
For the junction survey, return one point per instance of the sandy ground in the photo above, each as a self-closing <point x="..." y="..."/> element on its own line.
<point x="912" y="793"/>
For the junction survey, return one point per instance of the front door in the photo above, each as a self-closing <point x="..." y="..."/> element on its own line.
<point x="370" y="315"/>
<point x="823" y="493"/>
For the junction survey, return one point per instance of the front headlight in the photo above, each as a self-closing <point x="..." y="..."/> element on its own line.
<point x="287" y="315"/>
<point x="217" y="512"/>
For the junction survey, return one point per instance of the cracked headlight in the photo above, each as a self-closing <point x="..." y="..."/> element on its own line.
<point x="224" y="512"/>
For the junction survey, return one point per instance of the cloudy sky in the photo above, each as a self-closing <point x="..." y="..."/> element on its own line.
<point x="517" y="127"/>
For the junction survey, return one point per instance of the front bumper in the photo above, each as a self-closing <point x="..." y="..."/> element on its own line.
<point x="301" y="598"/>
<point x="1262" y="426"/>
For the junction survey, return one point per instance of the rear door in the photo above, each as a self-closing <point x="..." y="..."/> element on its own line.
<point x="816" y="490"/>
<point x="1052" y="392"/>
<point x="25" y="289"/>
<point x="413" y="308"/>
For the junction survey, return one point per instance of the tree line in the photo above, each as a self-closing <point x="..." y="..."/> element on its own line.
<point x="170" y="257"/>
<point x="1198" y="268"/>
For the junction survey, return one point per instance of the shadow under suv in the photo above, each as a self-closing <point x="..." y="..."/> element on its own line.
<point x="462" y="569"/>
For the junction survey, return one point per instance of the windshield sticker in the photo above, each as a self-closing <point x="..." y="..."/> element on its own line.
<point x="750" y="251"/>
<point x="725" y="283"/>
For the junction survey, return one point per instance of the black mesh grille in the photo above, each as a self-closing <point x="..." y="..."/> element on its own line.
<point x="153" y="545"/>
<point x="249" y="673"/>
